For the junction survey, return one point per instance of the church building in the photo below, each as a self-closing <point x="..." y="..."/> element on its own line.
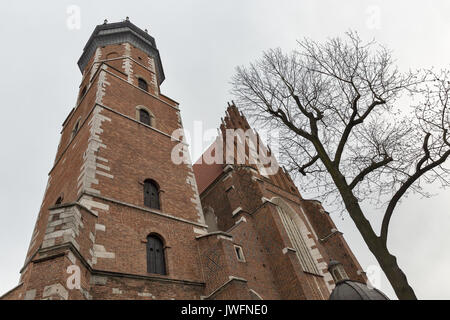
<point x="121" y="220"/>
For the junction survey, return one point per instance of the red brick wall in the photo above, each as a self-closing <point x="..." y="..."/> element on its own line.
<point x="271" y="272"/>
<point x="131" y="152"/>
<point x="101" y="170"/>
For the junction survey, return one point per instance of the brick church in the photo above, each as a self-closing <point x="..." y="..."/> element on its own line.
<point x="121" y="220"/>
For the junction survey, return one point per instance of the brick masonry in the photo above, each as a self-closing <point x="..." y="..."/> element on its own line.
<point x="101" y="224"/>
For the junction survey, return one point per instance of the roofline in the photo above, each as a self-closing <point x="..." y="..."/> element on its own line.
<point x="119" y="32"/>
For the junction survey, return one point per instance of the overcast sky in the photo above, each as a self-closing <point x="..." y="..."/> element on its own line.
<point x="201" y="42"/>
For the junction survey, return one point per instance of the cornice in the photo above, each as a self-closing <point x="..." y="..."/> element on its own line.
<point x="121" y="32"/>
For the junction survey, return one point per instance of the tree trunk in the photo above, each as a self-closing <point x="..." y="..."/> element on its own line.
<point x="387" y="261"/>
<point x="395" y="275"/>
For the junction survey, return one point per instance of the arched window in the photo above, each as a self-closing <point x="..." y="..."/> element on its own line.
<point x="291" y="223"/>
<point x="142" y="84"/>
<point x="155" y="255"/>
<point x="144" y="117"/>
<point x="151" y="194"/>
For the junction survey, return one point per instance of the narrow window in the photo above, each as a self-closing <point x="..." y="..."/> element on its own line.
<point x="143" y="84"/>
<point x="83" y="92"/>
<point x="155" y="255"/>
<point x="75" y="129"/>
<point x="144" y="117"/>
<point x="151" y="194"/>
<point x="239" y="253"/>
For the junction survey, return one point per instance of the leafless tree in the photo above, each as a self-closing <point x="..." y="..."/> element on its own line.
<point x="355" y="126"/>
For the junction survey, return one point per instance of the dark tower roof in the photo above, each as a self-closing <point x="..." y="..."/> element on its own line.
<point x="120" y="32"/>
<point x="353" y="290"/>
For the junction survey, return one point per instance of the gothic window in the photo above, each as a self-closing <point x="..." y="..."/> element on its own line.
<point x="298" y="242"/>
<point x="151" y="194"/>
<point x="142" y="84"/>
<point x="155" y="255"/>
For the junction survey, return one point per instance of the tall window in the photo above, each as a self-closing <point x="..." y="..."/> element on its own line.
<point x="142" y="84"/>
<point x="155" y="255"/>
<point x="151" y="194"/>
<point x="76" y="127"/>
<point x="239" y="253"/>
<point x="298" y="242"/>
<point x="83" y="92"/>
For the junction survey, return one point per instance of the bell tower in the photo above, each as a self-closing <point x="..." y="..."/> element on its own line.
<point x="122" y="218"/>
<point x="119" y="219"/>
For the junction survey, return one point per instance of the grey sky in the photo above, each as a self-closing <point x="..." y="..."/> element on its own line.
<point x="200" y="43"/>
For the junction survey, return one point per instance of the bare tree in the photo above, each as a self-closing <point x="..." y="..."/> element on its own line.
<point x="355" y="126"/>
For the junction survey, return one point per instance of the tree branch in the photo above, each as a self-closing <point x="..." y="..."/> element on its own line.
<point x="351" y="124"/>
<point x="374" y="166"/>
<point x="306" y="165"/>
<point x="427" y="152"/>
<point x="280" y="114"/>
<point x="403" y="189"/>
<point x="347" y="131"/>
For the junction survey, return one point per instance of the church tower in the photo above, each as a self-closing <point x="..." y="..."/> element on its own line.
<point x="119" y="219"/>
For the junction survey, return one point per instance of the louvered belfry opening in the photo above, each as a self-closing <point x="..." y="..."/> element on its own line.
<point x="155" y="255"/>
<point x="151" y="194"/>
